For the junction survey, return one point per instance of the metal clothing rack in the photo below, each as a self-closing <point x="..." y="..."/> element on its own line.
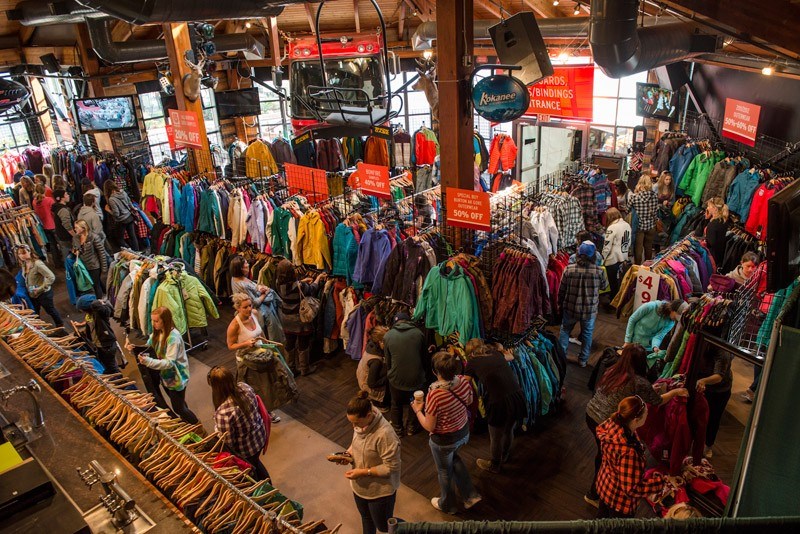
<point x="88" y="369"/>
<point x="202" y="345"/>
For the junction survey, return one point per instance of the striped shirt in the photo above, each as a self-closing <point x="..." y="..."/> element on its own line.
<point x="451" y="413"/>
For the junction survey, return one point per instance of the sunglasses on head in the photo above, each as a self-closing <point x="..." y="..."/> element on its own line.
<point x="642" y="406"/>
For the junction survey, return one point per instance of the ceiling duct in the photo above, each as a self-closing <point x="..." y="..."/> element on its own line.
<point x="39" y="13"/>
<point x="621" y="48"/>
<point x="157" y="11"/>
<point x="116" y="52"/>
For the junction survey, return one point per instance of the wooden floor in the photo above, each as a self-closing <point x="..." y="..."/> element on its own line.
<point x="551" y="465"/>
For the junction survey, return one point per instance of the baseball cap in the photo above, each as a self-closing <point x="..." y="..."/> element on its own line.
<point x="587" y="248"/>
<point x="84" y="302"/>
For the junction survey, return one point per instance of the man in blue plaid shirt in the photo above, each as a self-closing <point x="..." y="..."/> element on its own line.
<point x="578" y="297"/>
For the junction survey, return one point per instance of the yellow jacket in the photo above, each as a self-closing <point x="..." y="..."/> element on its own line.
<point x="154" y="185"/>
<point x="259" y="160"/>
<point x="312" y="243"/>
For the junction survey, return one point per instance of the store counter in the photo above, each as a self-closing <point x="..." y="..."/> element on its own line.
<point x="67" y="443"/>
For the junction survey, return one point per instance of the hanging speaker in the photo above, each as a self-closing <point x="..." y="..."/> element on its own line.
<point x="672" y="76"/>
<point x="518" y="41"/>
<point x="51" y="63"/>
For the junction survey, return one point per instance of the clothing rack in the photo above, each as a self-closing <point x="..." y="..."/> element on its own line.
<point x="88" y="369"/>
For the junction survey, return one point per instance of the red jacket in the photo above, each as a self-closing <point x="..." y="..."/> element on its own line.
<point x="502" y="154"/>
<point x="757" y="218"/>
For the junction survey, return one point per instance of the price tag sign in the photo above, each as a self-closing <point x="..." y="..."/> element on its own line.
<point x="646" y="287"/>
<point x="186" y="128"/>
<point x="741" y="121"/>
<point x="374" y="180"/>
<point x="468" y="209"/>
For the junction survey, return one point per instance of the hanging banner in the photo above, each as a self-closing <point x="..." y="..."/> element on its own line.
<point x="374" y="180"/>
<point x="741" y="121"/>
<point x="567" y="94"/>
<point x="468" y="209"/>
<point x="381" y="132"/>
<point x="646" y="287"/>
<point x="186" y="128"/>
<point x="66" y="131"/>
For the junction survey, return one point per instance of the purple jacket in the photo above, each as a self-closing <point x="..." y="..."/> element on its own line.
<point x="373" y="251"/>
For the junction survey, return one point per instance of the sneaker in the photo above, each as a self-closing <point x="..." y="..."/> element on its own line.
<point x="593" y="502"/>
<point x="708" y="453"/>
<point x="435" y="504"/>
<point x="275" y="418"/>
<point x="487" y="465"/>
<point x="575" y="341"/>
<point x="747" y="396"/>
<point x="469" y="503"/>
<point x="576" y="361"/>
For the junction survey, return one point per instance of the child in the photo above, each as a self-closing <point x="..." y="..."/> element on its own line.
<point x="99" y="331"/>
<point x="745" y="269"/>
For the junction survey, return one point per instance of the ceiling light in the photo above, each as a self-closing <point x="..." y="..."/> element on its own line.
<point x="577" y="9"/>
<point x="247" y="24"/>
<point x="563" y="55"/>
<point x="555" y="2"/>
<point x="427" y="54"/>
<point x="767" y="71"/>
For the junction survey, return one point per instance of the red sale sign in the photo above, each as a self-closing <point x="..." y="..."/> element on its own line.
<point x="567" y="94"/>
<point x="374" y="180"/>
<point x="186" y="127"/>
<point x="741" y="121"/>
<point x="468" y="209"/>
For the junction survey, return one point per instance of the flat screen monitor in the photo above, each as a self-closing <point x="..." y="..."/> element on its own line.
<point x="655" y="102"/>
<point x="238" y="103"/>
<point x="783" y="237"/>
<point x="105" y="114"/>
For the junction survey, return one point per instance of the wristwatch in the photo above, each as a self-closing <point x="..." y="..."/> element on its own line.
<point x="369" y="472"/>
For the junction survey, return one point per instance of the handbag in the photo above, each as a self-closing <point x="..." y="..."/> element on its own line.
<point x="83" y="281"/>
<point x="721" y="283"/>
<point x="309" y="306"/>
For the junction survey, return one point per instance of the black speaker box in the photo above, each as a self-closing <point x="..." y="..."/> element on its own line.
<point x="672" y="76"/>
<point x="51" y="63"/>
<point x="518" y="41"/>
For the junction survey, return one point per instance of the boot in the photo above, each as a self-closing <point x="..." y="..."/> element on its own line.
<point x="302" y="362"/>
<point x="291" y="360"/>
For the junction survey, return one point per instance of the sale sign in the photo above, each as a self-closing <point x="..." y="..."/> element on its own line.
<point x="374" y="180"/>
<point x="567" y="94"/>
<point x="741" y="121"/>
<point x="468" y="209"/>
<point x="186" y="128"/>
<point x="646" y="287"/>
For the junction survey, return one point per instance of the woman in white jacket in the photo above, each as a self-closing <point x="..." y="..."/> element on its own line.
<point x="616" y="247"/>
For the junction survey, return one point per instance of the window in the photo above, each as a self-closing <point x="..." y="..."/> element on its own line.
<point x="14" y="135"/>
<point x="272" y="122"/>
<point x="614" y="112"/>
<point x="155" y="125"/>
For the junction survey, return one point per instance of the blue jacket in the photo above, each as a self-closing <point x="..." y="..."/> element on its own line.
<point x="647" y="327"/>
<point x="209" y="213"/>
<point x="72" y="291"/>
<point x="680" y="162"/>
<point x="21" y="296"/>
<point x="740" y="194"/>
<point x="372" y="253"/>
<point x="345" y="252"/>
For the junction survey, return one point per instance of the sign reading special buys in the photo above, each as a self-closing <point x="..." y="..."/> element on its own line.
<point x="741" y="121"/>
<point x="468" y="209"/>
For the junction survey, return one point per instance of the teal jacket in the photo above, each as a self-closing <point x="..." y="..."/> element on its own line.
<point x="647" y="327"/>
<point x="449" y="304"/>
<point x="345" y="252"/>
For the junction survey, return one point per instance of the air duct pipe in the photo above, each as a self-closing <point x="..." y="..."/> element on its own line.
<point x="38" y="13"/>
<point x="157" y="11"/>
<point x="620" y="48"/>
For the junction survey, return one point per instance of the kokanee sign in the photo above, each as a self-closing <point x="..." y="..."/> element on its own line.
<point x="567" y="94"/>
<point x="741" y="121"/>
<point x="374" y="180"/>
<point x="468" y="209"/>
<point x="186" y="128"/>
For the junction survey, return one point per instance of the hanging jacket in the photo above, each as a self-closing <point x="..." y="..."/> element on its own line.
<point x="448" y="303"/>
<point x="424" y="147"/>
<point x="196" y="298"/>
<point x="502" y="154"/>
<point x="312" y="243"/>
<point x="719" y="180"/>
<point x="480" y="150"/>
<point x="376" y="151"/>
<point x="259" y="160"/>
<point x="757" y="218"/>
<point x="282" y="151"/>
<point x="740" y="194"/>
<point x="237" y="219"/>
<point x="694" y="181"/>
<point x="345" y="252"/>
<point x="680" y="162"/>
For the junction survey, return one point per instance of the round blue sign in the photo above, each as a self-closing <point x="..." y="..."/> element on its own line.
<point x="500" y="98"/>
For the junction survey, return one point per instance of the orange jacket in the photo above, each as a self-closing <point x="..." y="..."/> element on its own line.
<point x="502" y="154"/>
<point x="376" y="152"/>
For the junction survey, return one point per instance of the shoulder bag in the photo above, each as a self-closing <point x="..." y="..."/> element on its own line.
<point x="309" y="306"/>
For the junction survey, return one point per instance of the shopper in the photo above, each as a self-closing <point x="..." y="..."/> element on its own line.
<point x="48" y="173"/>
<point x="39" y="281"/>
<point x="99" y="330"/>
<point x="299" y="334"/>
<point x="121" y="224"/>
<point x="26" y="191"/>
<point x="652" y="321"/>
<point x="665" y="189"/>
<point x="22" y="170"/>
<point x="718" y="218"/>
<point x="265" y="300"/>
<point x="745" y="269"/>
<point x="625" y="378"/>
<point x="404" y="349"/>
<point x="578" y="298"/>
<point x="580" y="237"/>
<point x="170" y="360"/>
<point x="91" y="250"/>
<point x="623" y="198"/>
<point x="446" y="417"/>
<point x="93" y="216"/>
<point x="715" y="381"/>
<point x="256" y="365"/>
<point x="41" y="179"/>
<point x="43" y="206"/>
<point x="237" y="414"/>
<point x="620" y="482"/>
<point x="371" y="370"/>
<point x="64" y="222"/>
<point x="374" y="456"/>
<point x="616" y="247"/>
<point x="644" y="202"/>
<point x="503" y="400"/>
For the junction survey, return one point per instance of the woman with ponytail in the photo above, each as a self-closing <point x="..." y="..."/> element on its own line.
<point x="621" y="483"/>
<point x="374" y="458"/>
<point x="718" y="217"/>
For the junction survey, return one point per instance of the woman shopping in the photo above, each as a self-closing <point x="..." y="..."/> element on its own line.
<point x="170" y="362"/>
<point x="715" y="381"/>
<point x="264" y="299"/>
<point x="91" y="250"/>
<point x="446" y="417"/>
<point x="259" y="362"/>
<point x="43" y="206"/>
<point x="374" y="458"/>
<point x="652" y="321"/>
<point x="237" y="413"/>
<point x="620" y="482"/>
<point x="644" y="202"/>
<point x="121" y="223"/>
<point x="616" y="247"/>
<point x="625" y="378"/>
<point x="39" y="281"/>
<point x="718" y="223"/>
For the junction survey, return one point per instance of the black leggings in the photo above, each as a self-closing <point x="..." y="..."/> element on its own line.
<point x="598" y="457"/>
<point x="259" y="471"/>
<point x="152" y="383"/>
<point x="375" y="513"/>
<point x="97" y="281"/>
<point x="119" y="235"/>
<point x="717" y="400"/>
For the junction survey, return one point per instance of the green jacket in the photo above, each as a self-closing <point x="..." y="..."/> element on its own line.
<point x="448" y="303"/>
<point x="404" y="349"/>
<point x="694" y="180"/>
<point x="197" y="300"/>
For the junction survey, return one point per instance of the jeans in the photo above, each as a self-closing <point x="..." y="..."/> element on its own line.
<point x="587" y="329"/>
<point x="152" y="383"/>
<point x="401" y="402"/>
<point x="756" y="377"/>
<point x="119" y="230"/>
<point x="45" y="300"/>
<point x="598" y="457"/>
<point x="500" y="440"/>
<point x="179" y="406"/>
<point x="259" y="472"/>
<point x="375" y="513"/>
<point x="643" y="250"/>
<point x="452" y="474"/>
<point x="717" y="400"/>
<point x="97" y="282"/>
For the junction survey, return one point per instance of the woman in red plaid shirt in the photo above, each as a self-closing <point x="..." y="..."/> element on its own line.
<point x="620" y="482"/>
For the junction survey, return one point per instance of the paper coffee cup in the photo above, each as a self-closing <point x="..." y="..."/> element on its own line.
<point x="419" y="395"/>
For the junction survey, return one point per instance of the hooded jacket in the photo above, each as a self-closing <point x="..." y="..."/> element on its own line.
<point x="620" y="481"/>
<point x="647" y="327"/>
<point x="345" y="252"/>
<point x="312" y="243"/>
<point x="121" y="207"/>
<point x="259" y="160"/>
<point x="198" y="302"/>
<point x="719" y="181"/>
<point x="404" y="349"/>
<point x="740" y="194"/>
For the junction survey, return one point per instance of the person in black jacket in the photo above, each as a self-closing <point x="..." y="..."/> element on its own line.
<point x="99" y="331"/>
<point x="718" y="223"/>
<point x="65" y="222"/>
<point x="404" y="350"/>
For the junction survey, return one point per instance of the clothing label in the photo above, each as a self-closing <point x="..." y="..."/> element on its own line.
<point x="186" y="127"/>
<point x="302" y="139"/>
<point x="374" y="180"/>
<point x="468" y="209"/>
<point x="381" y="132"/>
<point x="741" y="121"/>
<point x="646" y="287"/>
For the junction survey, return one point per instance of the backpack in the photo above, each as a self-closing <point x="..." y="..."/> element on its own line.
<point x="607" y="359"/>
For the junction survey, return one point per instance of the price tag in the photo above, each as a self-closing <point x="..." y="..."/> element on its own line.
<point x="646" y="287"/>
<point x="468" y="209"/>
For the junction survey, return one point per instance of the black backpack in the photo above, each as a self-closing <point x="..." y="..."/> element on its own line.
<point x="607" y="359"/>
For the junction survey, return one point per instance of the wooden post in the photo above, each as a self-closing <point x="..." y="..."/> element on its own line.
<point x="178" y="42"/>
<point x="454" y="40"/>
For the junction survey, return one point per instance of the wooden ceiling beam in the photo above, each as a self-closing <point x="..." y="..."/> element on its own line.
<point x="274" y="40"/>
<point x="355" y="12"/>
<point x="311" y="17"/>
<point x="421" y="8"/>
<point x="25" y="34"/>
<point x="401" y="21"/>
<point x="488" y="6"/>
<point x="121" y="31"/>
<point x="543" y="8"/>
<point x="32" y="55"/>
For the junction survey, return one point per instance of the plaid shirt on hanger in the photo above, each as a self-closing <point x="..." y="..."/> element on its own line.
<point x="646" y="206"/>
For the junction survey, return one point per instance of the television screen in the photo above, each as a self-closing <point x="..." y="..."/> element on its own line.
<point x="239" y="103"/>
<point x="655" y="102"/>
<point x="783" y="237"/>
<point x="105" y="114"/>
